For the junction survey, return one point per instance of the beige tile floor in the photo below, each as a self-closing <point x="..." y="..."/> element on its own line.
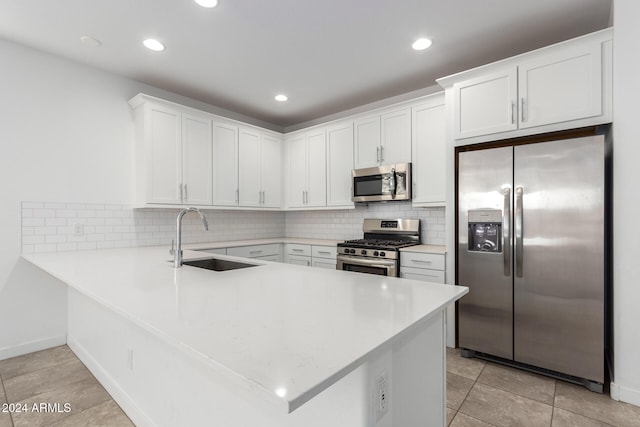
<point x="478" y="394"/>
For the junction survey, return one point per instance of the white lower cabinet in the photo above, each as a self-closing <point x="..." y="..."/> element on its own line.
<point x="311" y="255"/>
<point x="323" y="256"/>
<point x="428" y="267"/>
<point x="297" y="254"/>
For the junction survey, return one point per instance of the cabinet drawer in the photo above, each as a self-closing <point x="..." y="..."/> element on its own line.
<point x="422" y="260"/>
<point x="254" y="251"/>
<point x="424" y="274"/>
<point x="328" y="252"/>
<point x="296" y="249"/>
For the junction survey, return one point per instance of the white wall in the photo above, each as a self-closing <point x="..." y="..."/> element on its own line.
<point x="626" y="155"/>
<point x="57" y="143"/>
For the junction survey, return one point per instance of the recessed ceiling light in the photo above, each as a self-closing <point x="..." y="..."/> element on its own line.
<point x="90" y="41"/>
<point x="421" y="44"/>
<point x="281" y="98"/>
<point x="207" y="3"/>
<point x="153" y="44"/>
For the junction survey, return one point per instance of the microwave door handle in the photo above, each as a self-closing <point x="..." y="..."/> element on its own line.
<point x="392" y="183"/>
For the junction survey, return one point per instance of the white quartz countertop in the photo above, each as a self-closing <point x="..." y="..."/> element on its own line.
<point x="285" y="332"/>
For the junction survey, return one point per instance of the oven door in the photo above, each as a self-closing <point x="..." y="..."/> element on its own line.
<point x="381" y="267"/>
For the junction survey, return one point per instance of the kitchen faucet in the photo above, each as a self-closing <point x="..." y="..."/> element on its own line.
<point x="177" y="252"/>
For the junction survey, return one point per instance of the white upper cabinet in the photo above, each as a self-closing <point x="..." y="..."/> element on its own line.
<point x="563" y="86"/>
<point x="486" y="104"/>
<point x="339" y="164"/>
<point x="383" y="139"/>
<point x="259" y="170"/>
<point x="396" y="137"/>
<point x="197" y="171"/>
<point x="306" y="156"/>
<point x="271" y="171"/>
<point x="367" y="142"/>
<point x="429" y="156"/>
<point x="173" y="154"/>
<point x="162" y="150"/>
<point x="225" y="164"/>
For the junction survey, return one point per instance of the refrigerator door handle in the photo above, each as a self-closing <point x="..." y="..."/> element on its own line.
<point x="506" y="232"/>
<point x="518" y="231"/>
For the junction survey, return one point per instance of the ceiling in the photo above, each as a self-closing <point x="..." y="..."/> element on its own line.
<point x="327" y="56"/>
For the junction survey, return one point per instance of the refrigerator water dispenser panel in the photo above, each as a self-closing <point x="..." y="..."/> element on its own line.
<point x="485" y="230"/>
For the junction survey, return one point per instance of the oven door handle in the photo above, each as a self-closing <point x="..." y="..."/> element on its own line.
<point x="367" y="262"/>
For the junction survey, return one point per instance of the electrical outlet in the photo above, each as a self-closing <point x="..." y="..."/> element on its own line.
<point x="78" y="229"/>
<point x="381" y="402"/>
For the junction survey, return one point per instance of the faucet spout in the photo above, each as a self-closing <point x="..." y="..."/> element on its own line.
<point x="177" y="254"/>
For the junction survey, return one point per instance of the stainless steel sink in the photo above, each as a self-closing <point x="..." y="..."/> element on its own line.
<point x="217" y="264"/>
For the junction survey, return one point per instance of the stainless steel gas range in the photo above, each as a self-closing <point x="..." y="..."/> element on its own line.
<point x="379" y="251"/>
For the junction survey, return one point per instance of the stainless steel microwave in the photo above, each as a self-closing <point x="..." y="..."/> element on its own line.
<point x="381" y="183"/>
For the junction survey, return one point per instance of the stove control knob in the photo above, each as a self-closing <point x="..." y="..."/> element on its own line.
<point x="363" y="252"/>
<point x="348" y="251"/>
<point x="375" y="253"/>
<point x="382" y="254"/>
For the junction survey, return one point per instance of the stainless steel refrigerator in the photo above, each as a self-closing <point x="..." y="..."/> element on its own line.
<point x="532" y="244"/>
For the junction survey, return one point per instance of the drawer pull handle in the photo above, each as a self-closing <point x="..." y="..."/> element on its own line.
<point x="297" y="250"/>
<point x="324" y="252"/>
<point x="421" y="261"/>
<point x="255" y="252"/>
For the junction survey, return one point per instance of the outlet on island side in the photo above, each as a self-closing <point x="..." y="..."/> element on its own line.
<point x="381" y="403"/>
<point x="78" y="229"/>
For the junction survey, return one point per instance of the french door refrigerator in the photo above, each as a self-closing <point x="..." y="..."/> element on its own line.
<point x="531" y="248"/>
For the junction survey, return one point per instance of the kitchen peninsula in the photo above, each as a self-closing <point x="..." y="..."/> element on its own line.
<point x="270" y="345"/>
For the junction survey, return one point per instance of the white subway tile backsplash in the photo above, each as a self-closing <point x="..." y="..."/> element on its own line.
<point x="48" y="227"/>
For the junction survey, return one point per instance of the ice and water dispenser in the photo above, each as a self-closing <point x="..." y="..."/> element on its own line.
<point x="485" y="230"/>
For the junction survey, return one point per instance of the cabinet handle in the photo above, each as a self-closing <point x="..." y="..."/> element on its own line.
<point x="255" y="252"/>
<point x="297" y="250"/>
<point x="186" y="197"/>
<point x="378" y="154"/>
<point x="421" y="261"/>
<point x="324" y="252"/>
<point x="237" y="195"/>
<point x="381" y="154"/>
<point x="513" y="114"/>
<point x="523" y="105"/>
<point x="181" y="194"/>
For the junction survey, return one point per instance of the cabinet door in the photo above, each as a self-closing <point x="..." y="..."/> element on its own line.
<point x="164" y="151"/>
<point x="367" y="142"/>
<point x="197" y="172"/>
<point x="270" y="171"/>
<point x="297" y="158"/>
<point x="249" y="176"/>
<point x="562" y="85"/>
<point x="329" y="264"/>
<point x="486" y="104"/>
<point x="396" y="137"/>
<point x="316" y="169"/>
<point x="225" y="164"/>
<point x="339" y="164"/>
<point x="298" y="260"/>
<point x="428" y="147"/>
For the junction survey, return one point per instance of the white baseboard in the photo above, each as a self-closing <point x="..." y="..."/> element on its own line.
<point x="110" y="384"/>
<point x="625" y="394"/>
<point x="32" y="346"/>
